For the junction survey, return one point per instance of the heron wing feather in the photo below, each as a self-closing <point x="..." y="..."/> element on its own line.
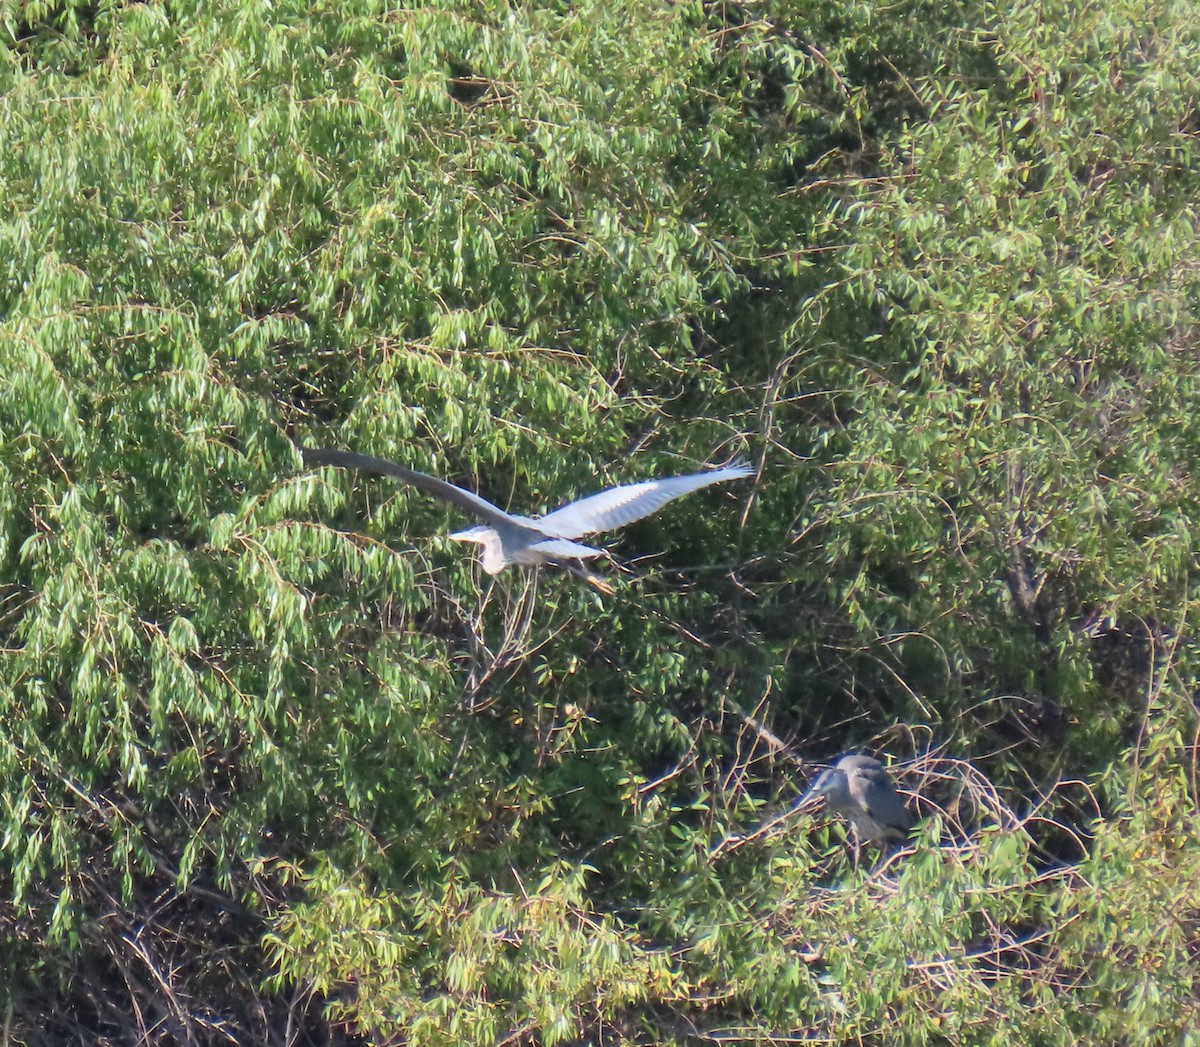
<point x="882" y="801"/>
<point x="465" y="500"/>
<point x="623" y="505"/>
<point x="561" y="549"/>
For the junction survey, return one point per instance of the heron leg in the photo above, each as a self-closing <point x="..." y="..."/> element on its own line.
<point x="594" y="580"/>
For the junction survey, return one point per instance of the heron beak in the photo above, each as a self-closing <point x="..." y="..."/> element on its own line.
<point x="810" y="801"/>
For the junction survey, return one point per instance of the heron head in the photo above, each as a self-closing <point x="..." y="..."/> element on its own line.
<point x="830" y="787"/>
<point x="491" y="556"/>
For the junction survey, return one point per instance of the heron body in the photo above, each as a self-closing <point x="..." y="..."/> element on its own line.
<point x="860" y="789"/>
<point x="505" y="538"/>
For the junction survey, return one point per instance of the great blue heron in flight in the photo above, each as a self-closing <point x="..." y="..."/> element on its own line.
<point x="861" y="791"/>
<point x="506" y="538"/>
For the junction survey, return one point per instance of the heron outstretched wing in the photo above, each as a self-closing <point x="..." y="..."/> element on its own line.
<point x="622" y="505"/>
<point x="466" y="500"/>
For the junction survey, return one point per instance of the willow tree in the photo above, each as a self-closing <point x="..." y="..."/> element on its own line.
<point x="276" y="762"/>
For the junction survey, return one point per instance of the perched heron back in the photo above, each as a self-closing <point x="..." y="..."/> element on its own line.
<point x="860" y="789"/>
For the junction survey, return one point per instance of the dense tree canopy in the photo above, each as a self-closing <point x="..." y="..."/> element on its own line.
<point x="278" y="764"/>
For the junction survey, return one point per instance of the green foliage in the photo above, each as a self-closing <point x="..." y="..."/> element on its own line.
<point x="276" y="762"/>
<point x="1015" y="432"/>
<point x="471" y="965"/>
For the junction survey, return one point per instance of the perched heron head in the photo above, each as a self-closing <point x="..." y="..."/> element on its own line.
<point x="492" y="556"/>
<point x="831" y="787"/>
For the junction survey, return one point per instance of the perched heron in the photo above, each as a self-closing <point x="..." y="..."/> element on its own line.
<point x="861" y="791"/>
<point x="519" y="539"/>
